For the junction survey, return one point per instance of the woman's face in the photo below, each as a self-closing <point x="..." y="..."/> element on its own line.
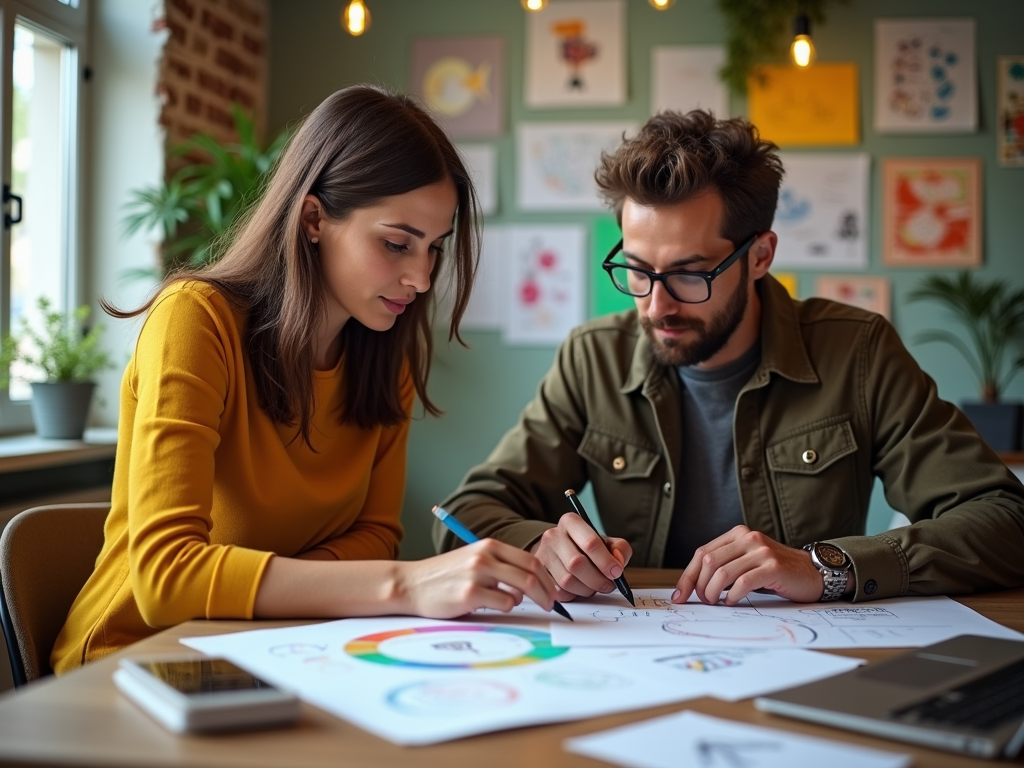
<point x="377" y="259"/>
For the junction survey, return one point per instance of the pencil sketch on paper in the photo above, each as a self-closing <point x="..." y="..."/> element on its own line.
<point x="449" y="698"/>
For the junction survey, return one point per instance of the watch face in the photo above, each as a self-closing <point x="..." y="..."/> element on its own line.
<point x="830" y="555"/>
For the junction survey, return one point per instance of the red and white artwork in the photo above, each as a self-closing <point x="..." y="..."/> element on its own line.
<point x="870" y="293"/>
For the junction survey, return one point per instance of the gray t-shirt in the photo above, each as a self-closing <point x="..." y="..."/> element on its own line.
<point x="707" y="498"/>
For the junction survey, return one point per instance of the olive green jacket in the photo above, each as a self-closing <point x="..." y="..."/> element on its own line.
<point x="836" y="401"/>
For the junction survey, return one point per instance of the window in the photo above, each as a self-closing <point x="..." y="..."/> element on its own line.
<point x="40" y="58"/>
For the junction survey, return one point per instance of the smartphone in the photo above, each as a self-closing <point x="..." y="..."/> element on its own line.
<point x="199" y="694"/>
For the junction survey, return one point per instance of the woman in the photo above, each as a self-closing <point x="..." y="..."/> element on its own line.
<point x="265" y="413"/>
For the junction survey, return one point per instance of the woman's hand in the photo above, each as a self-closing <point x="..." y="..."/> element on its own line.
<point x="487" y="574"/>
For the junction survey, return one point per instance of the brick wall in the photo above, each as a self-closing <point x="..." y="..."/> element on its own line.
<point x="215" y="55"/>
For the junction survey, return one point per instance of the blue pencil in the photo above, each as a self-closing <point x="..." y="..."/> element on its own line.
<point x="467" y="536"/>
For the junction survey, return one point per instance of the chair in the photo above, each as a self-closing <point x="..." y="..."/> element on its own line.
<point x="46" y="555"/>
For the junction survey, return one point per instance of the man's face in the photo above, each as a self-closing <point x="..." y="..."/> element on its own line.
<point x="685" y="236"/>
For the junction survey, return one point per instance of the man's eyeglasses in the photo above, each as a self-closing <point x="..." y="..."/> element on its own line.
<point x="685" y="286"/>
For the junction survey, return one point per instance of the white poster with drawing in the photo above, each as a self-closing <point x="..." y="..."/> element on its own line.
<point x="556" y="163"/>
<point x="544" y="283"/>
<point x="576" y="54"/>
<point x="482" y="163"/>
<point x="767" y="621"/>
<point x="694" y="739"/>
<point x="483" y="313"/>
<point x="685" y="77"/>
<point x="822" y="214"/>
<point x="420" y="681"/>
<point x="925" y="75"/>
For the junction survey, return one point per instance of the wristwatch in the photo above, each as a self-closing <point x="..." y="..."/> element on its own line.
<point x="834" y="565"/>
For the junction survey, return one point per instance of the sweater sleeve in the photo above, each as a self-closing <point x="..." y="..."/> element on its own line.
<point x="183" y="369"/>
<point x="377" y="532"/>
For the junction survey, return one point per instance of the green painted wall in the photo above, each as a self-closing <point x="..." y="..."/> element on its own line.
<point x="484" y="388"/>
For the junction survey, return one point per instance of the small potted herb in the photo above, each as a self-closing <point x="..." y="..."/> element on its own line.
<point x="65" y="358"/>
<point x="992" y="317"/>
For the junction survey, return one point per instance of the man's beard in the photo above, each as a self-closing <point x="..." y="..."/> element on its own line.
<point x="711" y="337"/>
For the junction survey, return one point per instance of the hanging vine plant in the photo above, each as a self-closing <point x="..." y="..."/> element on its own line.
<point x="759" y="31"/>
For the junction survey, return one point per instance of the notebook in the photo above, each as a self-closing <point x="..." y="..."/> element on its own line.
<point x="965" y="694"/>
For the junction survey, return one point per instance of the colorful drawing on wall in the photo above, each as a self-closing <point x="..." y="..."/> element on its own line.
<point x="462" y="81"/>
<point x="482" y="163"/>
<point x="685" y="77"/>
<point x="1010" y="122"/>
<point x="575" y="54"/>
<point x="544" y="288"/>
<point x="931" y="212"/>
<point x="556" y="163"/>
<point x="805" y="107"/>
<point x="870" y="293"/>
<point x="821" y="217"/>
<point x="925" y="75"/>
<point x="789" y="281"/>
<point x="605" y="298"/>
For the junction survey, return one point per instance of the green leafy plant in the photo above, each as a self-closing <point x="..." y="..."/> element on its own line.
<point x="760" y="31"/>
<point x="61" y="350"/>
<point x="201" y="200"/>
<point x="992" y="314"/>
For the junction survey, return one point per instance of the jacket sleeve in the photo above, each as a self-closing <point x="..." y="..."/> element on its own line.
<point x="965" y="506"/>
<point x="182" y="365"/>
<point x="519" y="491"/>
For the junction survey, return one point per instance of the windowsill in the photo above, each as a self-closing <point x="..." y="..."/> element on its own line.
<point x="21" y="452"/>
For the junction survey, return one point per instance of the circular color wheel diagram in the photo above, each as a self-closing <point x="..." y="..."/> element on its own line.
<point x="468" y="646"/>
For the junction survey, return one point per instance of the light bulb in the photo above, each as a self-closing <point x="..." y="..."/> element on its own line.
<point x="802" y="49"/>
<point x="661" y="5"/>
<point x="534" y="5"/>
<point x="356" y="18"/>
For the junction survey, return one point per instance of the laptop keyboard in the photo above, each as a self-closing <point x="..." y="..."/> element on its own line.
<point x="985" y="703"/>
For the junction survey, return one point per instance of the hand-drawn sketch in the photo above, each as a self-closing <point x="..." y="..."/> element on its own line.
<point x="685" y="77"/>
<point x="743" y="631"/>
<point x="702" y="661"/>
<point x="690" y="738"/>
<point x="870" y="293"/>
<point x="821" y="216"/>
<point x="925" y="75"/>
<point x="1010" y="122"/>
<point x="575" y="54"/>
<point x="556" y="163"/>
<point x="296" y="649"/>
<point x="462" y="81"/>
<point x="449" y="698"/>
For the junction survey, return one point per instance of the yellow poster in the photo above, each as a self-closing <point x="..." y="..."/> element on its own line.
<point x="803" y="107"/>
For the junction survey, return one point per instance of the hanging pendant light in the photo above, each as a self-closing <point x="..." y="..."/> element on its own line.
<point x="356" y="18"/>
<point x="802" y="49"/>
<point x="534" y="5"/>
<point x="662" y="5"/>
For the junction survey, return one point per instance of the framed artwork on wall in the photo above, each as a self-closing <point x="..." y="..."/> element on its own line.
<point x="685" y="77"/>
<point x="576" y="54"/>
<point x="797" y="107"/>
<point x="870" y="293"/>
<point x="1010" y="121"/>
<point x="462" y="81"/>
<point x="931" y="212"/>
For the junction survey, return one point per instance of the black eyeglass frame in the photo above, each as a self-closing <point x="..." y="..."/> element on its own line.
<point x="662" y="277"/>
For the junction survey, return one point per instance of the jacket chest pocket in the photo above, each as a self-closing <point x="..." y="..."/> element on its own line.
<point x="815" y="482"/>
<point x="626" y="481"/>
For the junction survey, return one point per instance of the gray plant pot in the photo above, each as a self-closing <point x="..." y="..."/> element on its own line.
<point x="999" y="424"/>
<point x="61" y="409"/>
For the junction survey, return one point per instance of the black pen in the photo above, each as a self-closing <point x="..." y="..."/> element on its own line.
<point x="579" y="510"/>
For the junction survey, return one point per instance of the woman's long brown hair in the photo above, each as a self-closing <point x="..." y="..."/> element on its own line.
<point x="360" y="145"/>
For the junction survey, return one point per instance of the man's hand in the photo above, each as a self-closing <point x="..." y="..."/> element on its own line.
<point x="580" y="561"/>
<point x="743" y="561"/>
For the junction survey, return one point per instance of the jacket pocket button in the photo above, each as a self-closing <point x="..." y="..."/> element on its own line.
<point x="746" y="473"/>
<point x="667" y="488"/>
<point x="618" y="463"/>
<point x="809" y="456"/>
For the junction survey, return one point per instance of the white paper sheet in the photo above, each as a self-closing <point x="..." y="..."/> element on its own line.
<point x="418" y="681"/>
<point x="484" y="311"/>
<point x="685" y="77"/>
<point x="822" y="215"/>
<point x="692" y="739"/>
<point x="482" y="163"/>
<point x="766" y="621"/>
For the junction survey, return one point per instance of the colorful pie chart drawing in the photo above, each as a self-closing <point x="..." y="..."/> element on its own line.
<point x="458" y="646"/>
<point x="451" y="698"/>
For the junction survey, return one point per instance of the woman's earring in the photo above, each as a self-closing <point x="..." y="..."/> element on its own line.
<point x="314" y="240"/>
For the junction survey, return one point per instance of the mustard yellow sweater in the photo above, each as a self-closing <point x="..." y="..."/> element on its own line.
<point x="207" y="488"/>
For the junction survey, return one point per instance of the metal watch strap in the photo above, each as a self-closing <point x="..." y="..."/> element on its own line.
<point x="835" y="581"/>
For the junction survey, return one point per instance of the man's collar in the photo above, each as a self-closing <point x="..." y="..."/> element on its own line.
<point x="782" y="346"/>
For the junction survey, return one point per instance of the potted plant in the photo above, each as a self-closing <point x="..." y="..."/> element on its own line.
<point x="66" y="357"/>
<point x="204" y="197"/>
<point x="992" y="316"/>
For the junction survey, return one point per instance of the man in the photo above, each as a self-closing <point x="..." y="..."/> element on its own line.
<point x="725" y="427"/>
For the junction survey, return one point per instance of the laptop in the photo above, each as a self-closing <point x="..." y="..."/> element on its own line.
<point x="965" y="694"/>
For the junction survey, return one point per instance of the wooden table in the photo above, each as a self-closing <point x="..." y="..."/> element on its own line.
<point x="80" y="719"/>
